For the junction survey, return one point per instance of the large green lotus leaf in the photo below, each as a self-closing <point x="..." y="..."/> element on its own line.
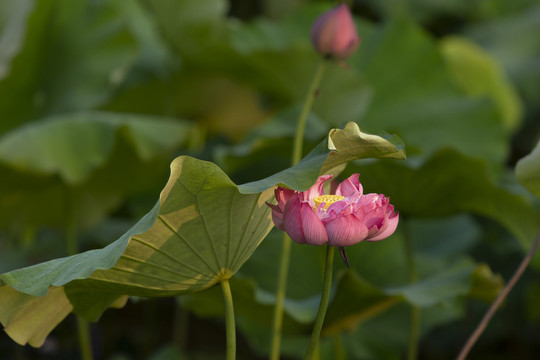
<point x="386" y="335"/>
<point x="29" y="319"/>
<point x="334" y="152"/>
<point x="414" y="96"/>
<point x="202" y="230"/>
<point x="74" y="145"/>
<point x="528" y="171"/>
<point x="90" y="160"/>
<point x="519" y="58"/>
<point x="449" y="183"/>
<point x="455" y="281"/>
<point x="274" y="58"/>
<point x="479" y="74"/>
<point x="74" y="54"/>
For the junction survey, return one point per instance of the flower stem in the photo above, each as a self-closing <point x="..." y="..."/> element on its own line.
<point x="498" y="301"/>
<point x="414" y="332"/>
<point x="229" y="320"/>
<point x="325" y="297"/>
<point x="280" y="297"/>
<point x="286" y="246"/>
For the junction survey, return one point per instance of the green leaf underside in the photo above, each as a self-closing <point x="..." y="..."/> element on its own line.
<point x="29" y="319"/>
<point x="202" y="229"/>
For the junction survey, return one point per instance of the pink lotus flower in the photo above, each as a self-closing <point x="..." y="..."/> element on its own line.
<point x="342" y="219"/>
<point x="334" y="33"/>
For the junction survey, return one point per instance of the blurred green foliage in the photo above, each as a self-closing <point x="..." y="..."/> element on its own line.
<point x="97" y="98"/>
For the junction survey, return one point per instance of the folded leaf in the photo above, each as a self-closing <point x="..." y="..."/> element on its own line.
<point x="337" y="150"/>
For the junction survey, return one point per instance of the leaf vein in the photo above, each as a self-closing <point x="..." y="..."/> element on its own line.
<point x="240" y="243"/>
<point x="187" y="244"/>
<point x="157" y="266"/>
<point x="247" y="248"/>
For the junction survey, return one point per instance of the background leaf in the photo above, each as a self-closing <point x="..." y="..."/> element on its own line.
<point x="528" y="171"/>
<point x="83" y="163"/>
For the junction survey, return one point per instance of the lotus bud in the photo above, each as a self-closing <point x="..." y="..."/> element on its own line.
<point x="334" y="33"/>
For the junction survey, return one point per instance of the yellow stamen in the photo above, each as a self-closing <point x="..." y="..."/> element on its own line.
<point x="327" y="199"/>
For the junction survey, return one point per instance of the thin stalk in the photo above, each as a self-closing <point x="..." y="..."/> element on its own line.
<point x="414" y="332"/>
<point x="85" y="343"/>
<point x="280" y="297"/>
<point x="286" y="245"/>
<point x="84" y="339"/>
<point x="301" y="125"/>
<point x="230" y="327"/>
<point x="498" y="301"/>
<point x="325" y="297"/>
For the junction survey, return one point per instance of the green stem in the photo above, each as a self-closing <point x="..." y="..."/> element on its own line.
<point x="280" y="297"/>
<point x="325" y="297"/>
<point x="84" y="339"/>
<point x="229" y="320"/>
<point x="286" y="246"/>
<point x="414" y="333"/>
<point x="301" y="126"/>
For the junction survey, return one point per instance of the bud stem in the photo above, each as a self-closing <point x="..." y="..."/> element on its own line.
<point x="286" y="247"/>
<point x="301" y="126"/>
<point x="414" y="329"/>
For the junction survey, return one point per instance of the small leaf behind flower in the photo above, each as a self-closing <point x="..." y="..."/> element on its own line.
<point x="340" y="147"/>
<point x="528" y="171"/>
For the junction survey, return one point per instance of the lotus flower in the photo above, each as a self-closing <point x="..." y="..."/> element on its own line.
<point x="334" y="33"/>
<point x="341" y="219"/>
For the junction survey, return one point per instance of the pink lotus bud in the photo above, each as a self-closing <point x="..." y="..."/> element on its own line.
<point x="341" y="219"/>
<point x="334" y="33"/>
